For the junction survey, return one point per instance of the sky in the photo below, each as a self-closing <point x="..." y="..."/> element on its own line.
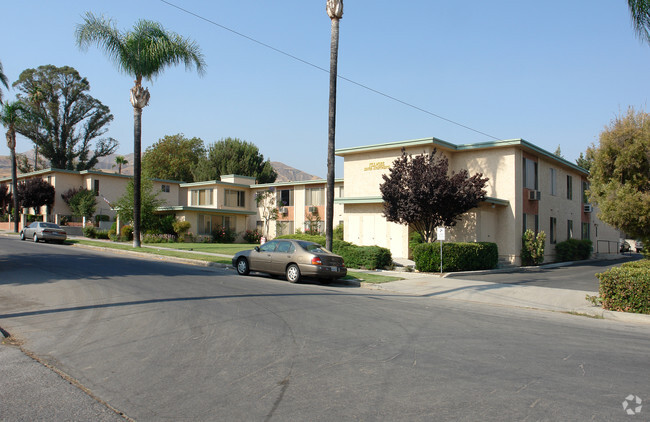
<point x="554" y="73"/>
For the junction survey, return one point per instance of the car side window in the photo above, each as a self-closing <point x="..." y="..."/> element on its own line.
<point x="33" y="225"/>
<point x="284" y="247"/>
<point x="269" y="246"/>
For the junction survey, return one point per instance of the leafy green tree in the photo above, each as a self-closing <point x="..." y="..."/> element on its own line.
<point x="173" y="158"/>
<point x="265" y="200"/>
<point x="585" y="160"/>
<point x="6" y="199"/>
<point x="558" y="152"/>
<point x="620" y="174"/>
<point x="83" y="203"/>
<point x="418" y="191"/>
<point x="64" y="120"/>
<point x="35" y="193"/>
<point x="11" y="115"/>
<point x="148" y="204"/>
<point x="234" y="156"/>
<point x="532" y="250"/>
<point x="145" y="52"/>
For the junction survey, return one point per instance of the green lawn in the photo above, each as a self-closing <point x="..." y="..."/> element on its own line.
<point x="220" y="248"/>
<point x="164" y="249"/>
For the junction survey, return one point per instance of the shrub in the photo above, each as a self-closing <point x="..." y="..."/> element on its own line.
<point x="532" y="250"/>
<point x="626" y="288"/>
<point x="158" y="238"/>
<point x="162" y="224"/>
<point x="368" y="257"/>
<point x="223" y="235"/>
<point x="102" y="234"/>
<point x="320" y="239"/>
<point x="181" y="228"/>
<point x="573" y="250"/>
<point x="252" y="236"/>
<point x="90" y="232"/>
<point x="456" y="256"/>
<point x="338" y="232"/>
<point x="126" y="233"/>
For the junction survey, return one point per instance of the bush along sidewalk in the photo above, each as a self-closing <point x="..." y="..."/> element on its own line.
<point x="625" y="288"/>
<point x="458" y="256"/>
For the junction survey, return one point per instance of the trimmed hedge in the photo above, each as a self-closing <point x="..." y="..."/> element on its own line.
<point x="626" y="288"/>
<point x="573" y="250"/>
<point x="368" y="257"/>
<point x="459" y="256"/>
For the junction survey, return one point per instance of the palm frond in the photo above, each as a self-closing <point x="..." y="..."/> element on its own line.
<point x="102" y="32"/>
<point x="640" y="14"/>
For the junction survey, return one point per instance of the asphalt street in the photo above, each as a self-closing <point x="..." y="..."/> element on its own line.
<point x="163" y="341"/>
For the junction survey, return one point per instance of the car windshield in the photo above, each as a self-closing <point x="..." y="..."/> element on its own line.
<point x="313" y="247"/>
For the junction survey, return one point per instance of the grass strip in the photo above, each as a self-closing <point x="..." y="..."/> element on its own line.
<point x="369" y="277"/>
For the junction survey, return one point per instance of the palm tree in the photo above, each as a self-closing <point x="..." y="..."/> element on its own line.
<point x="640" y="11"/>
<point x="3" y="80"/>
<point x="120" y="161"/>
<point x="10" y="114"/>
<point x="335" y="12"/>
<point x="143" y="52"/>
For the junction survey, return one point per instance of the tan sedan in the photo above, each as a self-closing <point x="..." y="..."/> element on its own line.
<point x="292" y="258"/>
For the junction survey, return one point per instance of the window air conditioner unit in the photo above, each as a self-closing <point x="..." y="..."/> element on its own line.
<point x="534" y="195"/>
<point x="284" y="210"/>
<point x="313" y="210"/>
<point x="588" y="208"/>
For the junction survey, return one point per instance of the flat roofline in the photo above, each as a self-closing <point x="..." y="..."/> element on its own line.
<point x="205" y="210"/>
<point x="296" y="183"/>
<point x="379" y="200"/>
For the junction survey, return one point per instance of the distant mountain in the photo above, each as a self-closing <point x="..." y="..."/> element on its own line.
<point x="107" y="164"/>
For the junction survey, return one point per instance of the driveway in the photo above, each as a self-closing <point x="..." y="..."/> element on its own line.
<point x="578" y="276"/>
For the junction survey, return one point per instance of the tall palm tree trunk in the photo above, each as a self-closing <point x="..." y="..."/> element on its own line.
<point x="11" y="140"/>
<point x="331" y="134"/>
<point x="137" y="142"/>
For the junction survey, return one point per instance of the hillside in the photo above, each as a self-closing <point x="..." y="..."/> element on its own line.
<point x="107" y="164"/>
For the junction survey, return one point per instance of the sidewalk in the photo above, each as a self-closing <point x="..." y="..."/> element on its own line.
<point x="458" y="286"/>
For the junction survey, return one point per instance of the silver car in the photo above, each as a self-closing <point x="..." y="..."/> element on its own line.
<point x="39" y="230"/>
<point x="292" y="258"/>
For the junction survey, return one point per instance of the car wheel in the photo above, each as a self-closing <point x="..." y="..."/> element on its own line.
<point x="22" y="235"/>
<point x="242" y="266"/>
<point x="35" y="238"/>
<point x="293" y="273"/>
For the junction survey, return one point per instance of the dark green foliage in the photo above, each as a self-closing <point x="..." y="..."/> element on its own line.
<point x="338" y="232"/>
<point x="148" y="204"/>
<point x="102" y="217"/>
<point x="456" y="256"/>
<point x="573" y="250"/>
<point x="173" y="158"/>
<point x="234" y="156"/>
<point x="126" y="233"/>
<point x="419" y="192"/>
<point x="368" y="257"/>
<point x="89" y="231"/>
<point x="83" y="203"/>
<point x="626" y="288"/>
<point x="5" y="199"/>
<point x="63" y="119"/>
<point x="162" y="224"/>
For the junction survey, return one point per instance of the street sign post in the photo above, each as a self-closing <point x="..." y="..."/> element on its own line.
<point x="440" y="234"/>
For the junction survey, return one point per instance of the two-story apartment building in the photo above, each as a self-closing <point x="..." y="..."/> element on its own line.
<point x="527" y="188"/>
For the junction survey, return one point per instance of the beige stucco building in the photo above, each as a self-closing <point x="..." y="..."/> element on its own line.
<point x="527" y="187"/>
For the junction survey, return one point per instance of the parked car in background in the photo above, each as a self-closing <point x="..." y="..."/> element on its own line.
<point x="292" y="258"/>
<point x="638" y="245"/>
<point x="625" y="247"/>
<point x="39" y="230"/>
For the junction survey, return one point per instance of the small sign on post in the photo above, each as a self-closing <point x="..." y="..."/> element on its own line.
<point x="440" y="234"/>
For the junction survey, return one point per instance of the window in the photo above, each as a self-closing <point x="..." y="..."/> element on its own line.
<point x="201" y="197"/>
<point x="530" y="174"/>
<point x="553" y="231"/>
<point x="585" y="231"/>
<point x="205" y="224"/>
<point x="235" y="198"/>
<point x="283" y="227"/>
<point x="569" y="229"/>
<point x="339" y="192"/>
<point x="315" y="196"/>
<point x="553" y="174"/>
<point x="569" y="187"/>
<point x="285" y="198"/>
<point x="164" y="188"/>
<point x="531" y="221"/>
<point x="225" y="222"/>
<point x="96" y="187"/>
<point x="585" y="188"/>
